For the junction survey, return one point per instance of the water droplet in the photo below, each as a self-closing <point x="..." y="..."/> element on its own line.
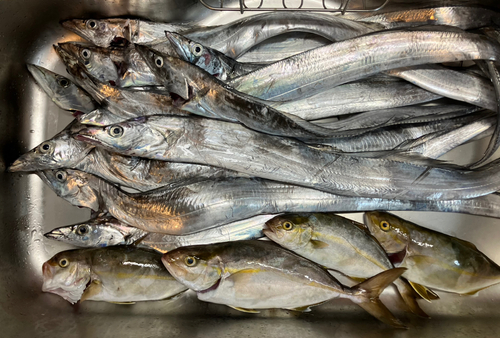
<point x="32" y="131"/>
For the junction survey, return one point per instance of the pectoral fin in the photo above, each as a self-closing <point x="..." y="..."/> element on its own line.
<point x="318" y="244"/>
<point x="93" y="289"/>
<point x="244" y="310"/>
<point x="465" y="243"/>
<point x="424" y="291"/>
<point x="123" y="303"/>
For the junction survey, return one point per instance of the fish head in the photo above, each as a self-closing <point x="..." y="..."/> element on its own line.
<point x="136" y="137"/>
<point x="197" y="267"/>
<point x="61" y="151"/>
<point x="170" y="71"/>
<point x="64" y="92"/>
<point x="67" y="274"/>
<point x="98" y="232"/>
<point x="77" y="187"/>
<point x="102" y="33"/>
<point x="292" y="231"/>
<point x="388" y="229"/>
<point x="95" y="60"/>
<point x="196" y="54"/>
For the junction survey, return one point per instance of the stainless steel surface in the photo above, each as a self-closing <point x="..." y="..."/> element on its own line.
<point x="28" y="209"/>
<point x="342" y="6"/>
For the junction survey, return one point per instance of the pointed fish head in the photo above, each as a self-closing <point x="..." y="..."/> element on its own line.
<point x="136" y="137"/>
<point x="100" y="117"/>
<point x="102" y="33"/>
<point x="170" y="71"/>
<point x="292" y="231"/>
<point x="76" y="187"/>
<point x="67" y="274"/>
<point x="97" y="232"/>
<point x="61" y="151"/>
<point x="95" y="60"/>
<point x="65" y="94"/>
<point x="197" y="267"/>
<point x="198" y="55"/>
<point x="388" y="230"/>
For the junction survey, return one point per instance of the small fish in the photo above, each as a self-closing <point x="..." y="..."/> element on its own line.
<point x="254" y="275"/>
<point x="116" y="274"/>
<point x="98" y="232"/>
<point x="433" y="259"/>
<point x="336" y="243"/>
<point x="106" y="231"/>
<point x="63" y="92"/>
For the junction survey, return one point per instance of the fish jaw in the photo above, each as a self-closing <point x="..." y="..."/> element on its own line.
<point x="70" y="289"/>
<point x="180" y="44"/>
<point x="42" y="77"/>
<point x="102" y="33"/>
<point x="57" y="234"/>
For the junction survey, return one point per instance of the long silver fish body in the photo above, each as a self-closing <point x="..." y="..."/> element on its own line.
<point x="231" y="146"/>
<point x="282" y="46"/>
<point x="116" y="274"/>
<point x="108" y="231"/>
<point x="456" y="85"/>
<point x="418" y="138"/>
<point x="63" y="92"/>
<point x="457" y="16"/>
<point x="201" y="205"/>
<point x="232" y="39"/>
<point x="310" y="72"/>
<point x="253" y="275"/>
<point x="355" y="97"/>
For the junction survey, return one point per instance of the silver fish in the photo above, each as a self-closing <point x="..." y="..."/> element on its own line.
<point x="195" y="206"/>
<point x="117" y="274"/>
<point x="108" y="231"/>
<point x="63" y="92"/>
<point x="231" y="146"/>
<point x="99" y="232"/>
<point x="308" y="73"/>
<point x="63" y="151"/>
<point x="232" y="39"/>
<point x="456" y="85"/>
<point x="457" y="16"/>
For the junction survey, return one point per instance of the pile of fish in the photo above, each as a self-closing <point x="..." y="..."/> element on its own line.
<point x="194" y="142"/>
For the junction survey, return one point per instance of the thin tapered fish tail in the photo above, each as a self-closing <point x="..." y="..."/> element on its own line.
<point x="409" y="297"/>
<point x="366" y="295"/>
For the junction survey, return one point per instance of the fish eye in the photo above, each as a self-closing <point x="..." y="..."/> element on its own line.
<point x="91" y="24"/>
<point x="63" y="82"/>
<point x="190" y="261"/>
<point x="63" y="262"/>
<point x="159" y="61"/>
<point x="116" y="131"/>
<point x="61" y="176"/>
<point x="45" y="147"/>
<point x="384" y="225"/>
<point x="86" y="53"/>
<point x="82" y="230"/>
<point x="288" y="226"/>
<point x="197" y="49"/>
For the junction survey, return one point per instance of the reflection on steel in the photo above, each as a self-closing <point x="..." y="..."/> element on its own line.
<point x="343" y="7"/>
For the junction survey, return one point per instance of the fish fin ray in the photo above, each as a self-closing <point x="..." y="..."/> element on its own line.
<point x="317" y="244"/>
<point x="94" y="288"/>
<point x="243" y="309"/>
<point x="424" y="291"/>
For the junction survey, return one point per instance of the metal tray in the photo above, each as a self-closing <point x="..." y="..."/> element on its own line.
<point x="28" y="209"/>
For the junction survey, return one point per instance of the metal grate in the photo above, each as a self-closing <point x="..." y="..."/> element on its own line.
<point x="303" y="6"/>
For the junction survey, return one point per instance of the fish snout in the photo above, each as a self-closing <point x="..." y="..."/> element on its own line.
<point x="55" y="234"/>
<point x="17" y="166"/>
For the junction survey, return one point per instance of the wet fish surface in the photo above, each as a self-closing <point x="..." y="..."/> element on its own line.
<point x="254" y="275"/>
<point x="116" y="274"/>
<point x="433" y="259"/>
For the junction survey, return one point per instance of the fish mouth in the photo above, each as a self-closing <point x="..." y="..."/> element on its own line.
<point x="55" y="234"/>
<point x="87" y="136"/>
<point x="176" y="42"/>
<point x="17" y="166"/>
<point x="397" y="258"/>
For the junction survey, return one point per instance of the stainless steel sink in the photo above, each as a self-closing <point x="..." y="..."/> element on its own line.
<point x="28" y="209"/>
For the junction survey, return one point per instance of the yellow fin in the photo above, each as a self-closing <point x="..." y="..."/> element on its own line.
<point x="318" y="244"/>
<point x="306" y="308"/>
<point x="424" y="291"/>
<point x="244" y="310"/>
<point x="93" y="289"/>
<point x="123" y="303"/>
<point x="357" y="279"/>
<point x="475" y="291"/>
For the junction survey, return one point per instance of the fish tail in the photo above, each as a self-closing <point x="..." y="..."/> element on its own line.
<point x="366" y="295"/>
<point x="409" y="297"/>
